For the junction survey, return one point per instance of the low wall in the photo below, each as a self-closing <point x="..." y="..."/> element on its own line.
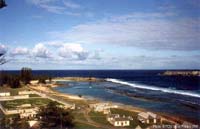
<point x="14" y="97"/>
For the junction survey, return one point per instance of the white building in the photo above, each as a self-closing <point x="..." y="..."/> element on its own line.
<point x="116" y="120"/>
<point x="120" y="122"/>
<point x="21" y="97"/>
<point x="102" y="107"/>
<point x="106" y="111"/>
<point x="28" y="113"/>
<point x="69" y="106"/>
<point x="138" y="127"/>
<point x="3" y="94"/>
<point x="111" y="117"/>
<point x="26" y="92"/>
<point x="147" y="117"/>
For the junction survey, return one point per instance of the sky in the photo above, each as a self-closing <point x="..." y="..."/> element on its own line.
<point x="100" y="34"/>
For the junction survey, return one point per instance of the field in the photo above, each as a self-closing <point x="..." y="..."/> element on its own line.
<point x="98" y="117"/>
<point x="34" y="102"/>
<point x="84" y="126"/>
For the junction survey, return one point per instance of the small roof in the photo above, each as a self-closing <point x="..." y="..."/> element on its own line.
<point x="32" y="123"/>
<point x="187" y="123"/>
<point x="144" y="115"/>
<point x="138" y="127"/>
<point x="153" y="115"/>
<point x="121" y="119"/>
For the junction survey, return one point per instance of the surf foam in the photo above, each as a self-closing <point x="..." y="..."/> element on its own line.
<point x="154" y="88"/>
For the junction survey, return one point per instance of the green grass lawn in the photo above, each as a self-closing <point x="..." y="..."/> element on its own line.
<point x="34" y="102"/>
<point x="98" y="117"/>
<point x="79" y="116"/>
<point x="134" y="122"/>
<point x="84" y="126"/>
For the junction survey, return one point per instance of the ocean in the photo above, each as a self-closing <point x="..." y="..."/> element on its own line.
<point x="173" y="95"/>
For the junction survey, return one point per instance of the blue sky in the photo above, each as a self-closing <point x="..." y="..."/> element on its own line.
<point x="100" y="34"/>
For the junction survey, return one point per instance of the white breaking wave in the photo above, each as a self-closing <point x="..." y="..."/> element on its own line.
<point x="153" y="88"/>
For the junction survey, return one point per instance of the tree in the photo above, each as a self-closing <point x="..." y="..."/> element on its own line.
<point x="53" y="116"/>
<point x="50" y="79"/>
<point x="20" y="123"/>
<point x="26" y="75"/>
<point x="14" y="81"/>
<point x="42" y="79"/>
<point x="9" y="79"/>
<point x="5" y="123"/>
<point x="13" y="123"/>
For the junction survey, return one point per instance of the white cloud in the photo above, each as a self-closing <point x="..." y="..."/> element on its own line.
<point x="96" y="55"/>
<point x="135" y="31"/>
<point x="20" y="51"/>
<point x="53" y="8"/>
<point x="3" y="49"/>
<point x="70" y="4"/>
<point x="40" y="50"/>
<point x="54" y="43"/>
<point x="57" y="7"/>
<point x="73" y="51"/>
<point x="37" y="2"/>
<point x="53" y="51"/>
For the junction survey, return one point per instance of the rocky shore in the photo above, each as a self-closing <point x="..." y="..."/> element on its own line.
<point x="181" y="73"/>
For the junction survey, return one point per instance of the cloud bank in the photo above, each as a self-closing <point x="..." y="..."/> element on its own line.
<point x="3" y="49"/>
<point x="146" y="31"/>
<point x="66" y="7"/>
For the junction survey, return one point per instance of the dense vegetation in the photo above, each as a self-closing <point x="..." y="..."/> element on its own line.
<point x="11" y="80"/>
<point x="26" y="75"/>
<point x="53" y="116"/>
<point x="23" y="78"/>
<point x="13" y="122"/>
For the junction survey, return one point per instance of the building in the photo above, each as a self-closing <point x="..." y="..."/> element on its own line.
<point x="26" y="92"/>
<point x="116" y="120"/>
<point x="106" y="111"/>
<point x="33" y="124"/>
<point x="28" y="113"/>
<point x="21" y="97"/>
<point x="102" y="107"/>
<point x="111" y="117"/>
<point x="188" y="125"/>
<point x="3" y="94"/>
<point x="120" y="122"/>
<point x="147" y="117"/>
<point x="68" y="106"/>
<point x="138" y="127"/>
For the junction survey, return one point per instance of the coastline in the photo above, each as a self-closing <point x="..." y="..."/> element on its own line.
<point x="49" y="88"/>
